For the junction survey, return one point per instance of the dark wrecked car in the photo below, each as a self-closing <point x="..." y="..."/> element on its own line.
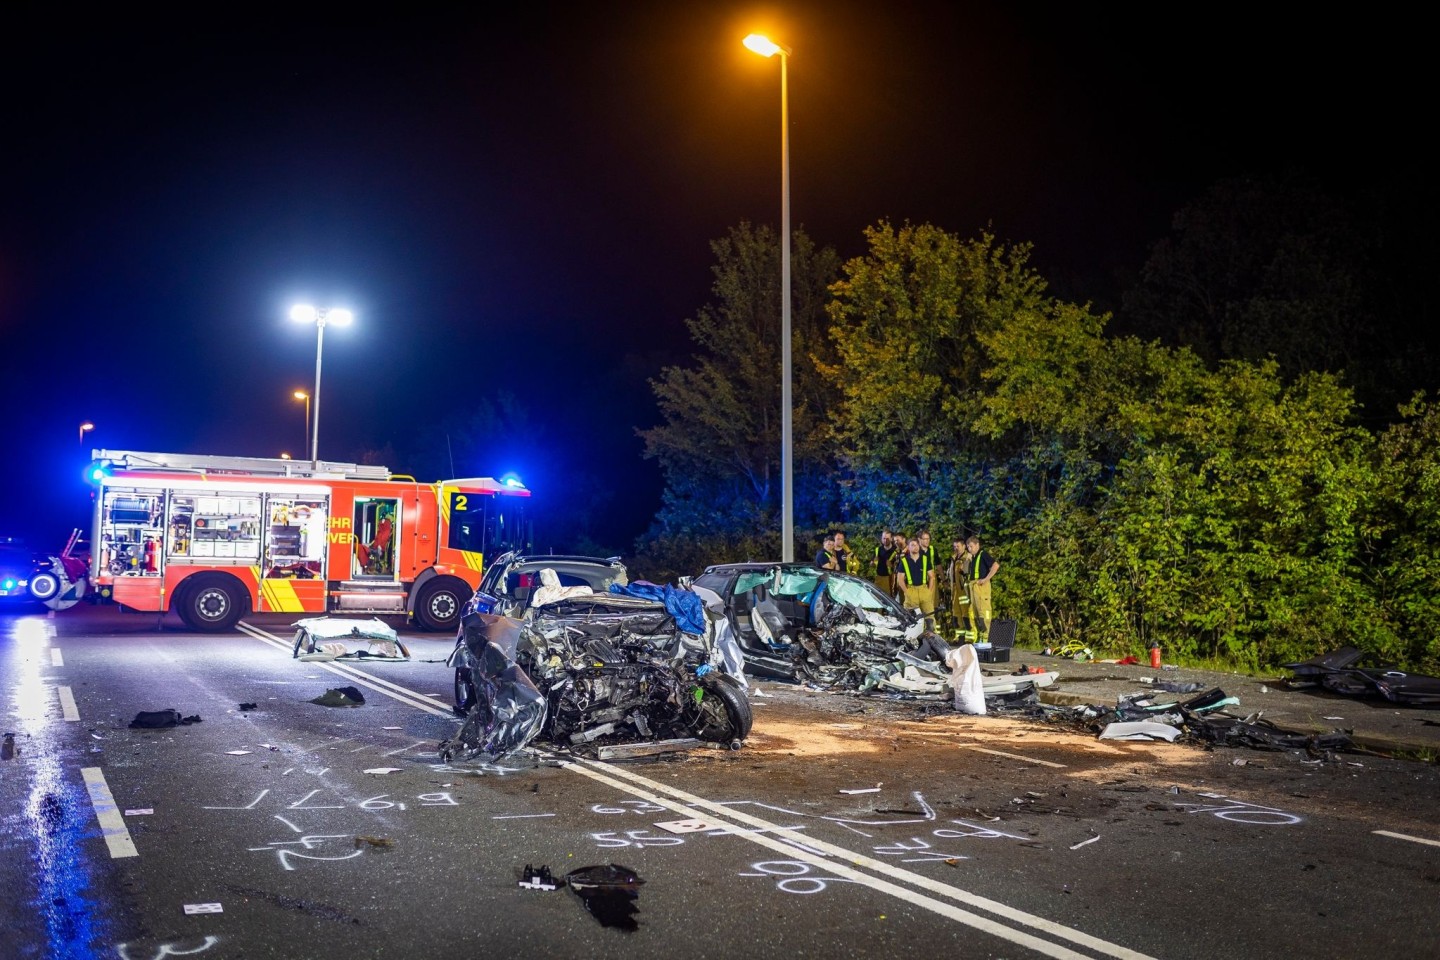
<point x="794" y="621"/>
<point x="591" y="669"/>
<point x="511" y="578"/>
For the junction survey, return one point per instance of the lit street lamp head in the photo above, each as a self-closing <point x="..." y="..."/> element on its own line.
<point x="764" y="46"/>
<point x="341" y="317"/>
<point x="302" y="313"/>
<point x="301" y="395"/>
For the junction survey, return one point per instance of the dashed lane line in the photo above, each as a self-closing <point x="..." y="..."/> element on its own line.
<point x="56" y="658"/>
<point x="1406" y="836"/>
<point x="1012" y="756"/>
<point x="112" y="824"/>
<point x="67" y="704"/>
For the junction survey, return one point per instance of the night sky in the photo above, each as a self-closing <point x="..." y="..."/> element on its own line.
<point x="524" y="200"/>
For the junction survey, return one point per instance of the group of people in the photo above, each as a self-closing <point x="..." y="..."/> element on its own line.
<point x="910" y="569"/>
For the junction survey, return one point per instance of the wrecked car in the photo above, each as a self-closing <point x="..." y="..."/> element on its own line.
<point x="796" y="622"/>
<point x="511" y="578"/>
<point x="593" y="669"/>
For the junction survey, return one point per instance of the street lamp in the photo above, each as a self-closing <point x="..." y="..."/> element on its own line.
<point x="304" y="313"/>
<point x="302" y="395"/>
<point x="768" y="48"/>
<point x="85" y="428"/>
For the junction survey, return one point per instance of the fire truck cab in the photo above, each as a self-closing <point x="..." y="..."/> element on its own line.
<point x="216" y="537"/>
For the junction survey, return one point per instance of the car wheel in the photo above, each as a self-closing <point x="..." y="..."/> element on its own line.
<point x="437" y="608"/>
<point x="723" y="712"/>
<point x="464" y="690"/>
<point x="44" y="586"/>
<point x="212" y="605"/>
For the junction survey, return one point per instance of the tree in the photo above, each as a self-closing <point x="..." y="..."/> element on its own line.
<point x="905" y="322"/>
<point x="1261" y="267"/>
<point x="719" y="440"/>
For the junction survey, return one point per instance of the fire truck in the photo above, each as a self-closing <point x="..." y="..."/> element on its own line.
<point x="213" y="538"/>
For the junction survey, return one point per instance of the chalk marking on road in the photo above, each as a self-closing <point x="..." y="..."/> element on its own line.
<point x="288" y="823"/>
<point x="1012" y="756"/>
<point x="522" y="816"/>
<point x="56" y="658"/>
<point x="607" y="774"/>
<point x="67" y="704"/>
<point x="417" y="743"/>
<point x="393" y="691"/>
<point x="593" y="768"/>
<point x="112" y="823"/>
<point x="1406" y="836"/>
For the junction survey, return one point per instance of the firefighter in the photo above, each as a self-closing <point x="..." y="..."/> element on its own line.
<point x="980" y="568"/>
<point x="918" y="579"/>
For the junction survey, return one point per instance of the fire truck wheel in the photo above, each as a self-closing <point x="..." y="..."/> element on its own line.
<point x="213" y="604"/>
<point x="437" y="608"/>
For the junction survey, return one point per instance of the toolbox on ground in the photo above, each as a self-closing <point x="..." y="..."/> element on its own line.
<point x="1001" y="638"/>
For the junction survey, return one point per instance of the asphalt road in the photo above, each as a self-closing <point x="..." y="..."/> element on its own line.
<point x="974" y="845"/>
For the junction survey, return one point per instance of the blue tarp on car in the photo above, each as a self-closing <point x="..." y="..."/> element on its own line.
<point x="687" y="608"/>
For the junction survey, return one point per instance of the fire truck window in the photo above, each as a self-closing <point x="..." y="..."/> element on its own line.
<point x="467" y="521"/>
<point x="375" y="535"/>
<point x="295" y="539"/>
<point x="225" y="530"/>
<point x="130" y="531"/>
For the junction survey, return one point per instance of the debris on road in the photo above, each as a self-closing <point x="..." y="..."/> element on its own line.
<point x="538" y="878"/>
<point x="320" y="639"/>
<point x="609" y="892"/>
<point x="340" y="697"/>
<point x="247" y="707"/>
<point x="381" y="843"/>
<point x="1082" y="843"/>
<point x="1339" y="672"/>
<point x="381" y="771"/>
<point x="193" y="908"/>
<point x="156" y="719"/>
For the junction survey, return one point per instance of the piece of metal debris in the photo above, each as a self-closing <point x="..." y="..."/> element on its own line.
<point x="538" y="878"/>
<point x="380" y="842"/>
<point x="1082" y="843"/>
<point x="620" y="751"/>
<point x="381" y="771"/>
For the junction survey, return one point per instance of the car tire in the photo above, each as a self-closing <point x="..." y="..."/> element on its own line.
<point x="45" y="586"/>
<point x="213" y="604"/>
<point x="727" y="718"/>
<point x="438" y="605"/>
<point x="464" y="690"/>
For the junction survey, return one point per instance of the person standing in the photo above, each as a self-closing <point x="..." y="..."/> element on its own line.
<point x="980" y="568"/>
<point x="918" y="579"/>
<point x="844" y="560"/>
<point x="955" y="575"/>
<point x="887" y="554"/>
<point x="825" y="559"/>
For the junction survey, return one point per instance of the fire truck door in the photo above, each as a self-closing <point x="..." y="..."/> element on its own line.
<point x="376" y="519"/>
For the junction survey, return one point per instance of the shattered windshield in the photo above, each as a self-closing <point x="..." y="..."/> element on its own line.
<point x="801" y="582"/>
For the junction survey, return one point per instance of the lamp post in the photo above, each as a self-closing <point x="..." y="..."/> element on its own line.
<point x="768" y="48"/>
<point x="85" y="428"/>
<point x="302" y="395"/>
<point x="304" y="313"/>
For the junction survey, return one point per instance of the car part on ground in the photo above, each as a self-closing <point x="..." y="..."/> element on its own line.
<point x="322" y="638"/>
<point x="585" y="671"/>
<point x="1339" y="672"/>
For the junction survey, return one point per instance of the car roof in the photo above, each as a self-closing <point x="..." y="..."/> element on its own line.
<point x="544" y="559"/>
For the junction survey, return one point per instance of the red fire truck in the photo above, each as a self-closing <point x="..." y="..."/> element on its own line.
<point x="215" y="537"/>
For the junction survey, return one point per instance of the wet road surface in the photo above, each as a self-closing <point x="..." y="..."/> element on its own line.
<point x="298" y="830"/>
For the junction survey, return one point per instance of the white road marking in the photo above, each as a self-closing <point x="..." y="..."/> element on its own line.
<point x="1406" y="836"/>
<point x="67" y="704"/>
<point x="816" y="852"/>
<point x="1012" y="756"/>
<point x="56" y="659"/>
<point x="522" y="816"/>
<point x="112" y="824"/>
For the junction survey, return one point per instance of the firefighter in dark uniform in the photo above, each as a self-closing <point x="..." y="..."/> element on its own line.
<point x="917" y="577"/>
